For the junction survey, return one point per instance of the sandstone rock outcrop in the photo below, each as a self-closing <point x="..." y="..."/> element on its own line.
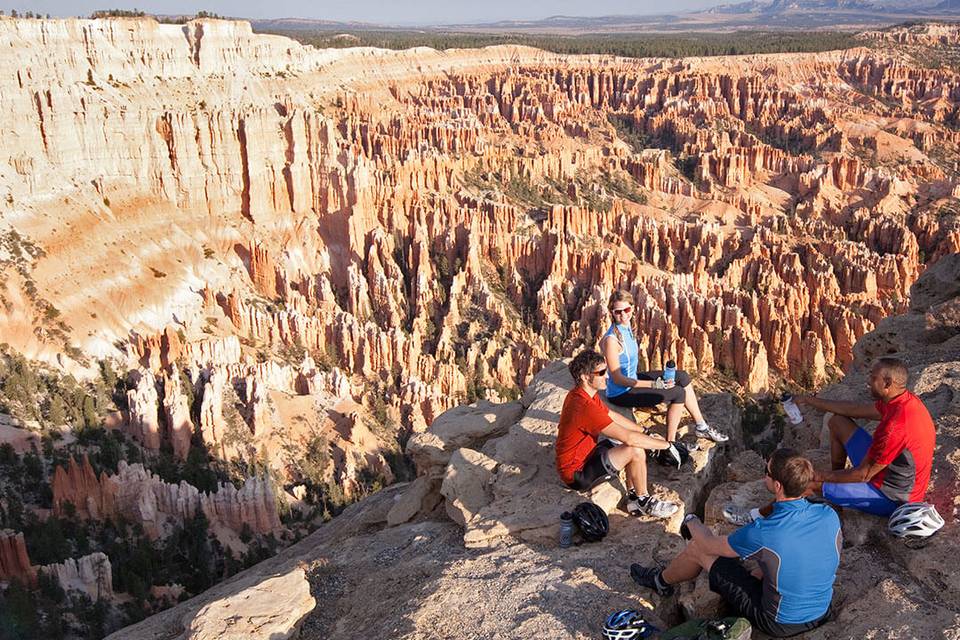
<point x="14" y="560"/>
<point x="268" y="607"/>
<point x="139" y="496"/>
<point x="91" y="574"/>
<point x="399" y="214"/>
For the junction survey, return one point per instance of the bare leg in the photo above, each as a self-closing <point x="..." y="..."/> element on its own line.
<point x="674" y="412"/>
<point x="634" y="459"/>
<point x="841" y="428"/>
<point x="691" y="403"/>
<point x="688" y="565"/>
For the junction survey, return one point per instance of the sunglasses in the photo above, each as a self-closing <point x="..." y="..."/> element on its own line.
<point x="624" y="310"/>
<point x="600" y="372"/>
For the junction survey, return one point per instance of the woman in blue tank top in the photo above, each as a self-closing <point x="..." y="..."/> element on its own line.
<point x="626" y="387"/>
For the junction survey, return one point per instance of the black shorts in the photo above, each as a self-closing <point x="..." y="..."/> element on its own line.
<point x="596" y="467"/>
<point x="744" y="594"/>
<point x="652" y="397"/>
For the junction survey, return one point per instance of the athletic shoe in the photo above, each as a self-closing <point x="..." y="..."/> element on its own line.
<point x="651" y="506"/>
<point x="709" y="433"/>
<point x="737" y="515"/>
<point x="647" y="577"/>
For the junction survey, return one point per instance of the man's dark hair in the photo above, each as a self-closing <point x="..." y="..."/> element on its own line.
<point x="893" y="369"/>
<point x="584" y="362"/>
<point x="791" y="470"/>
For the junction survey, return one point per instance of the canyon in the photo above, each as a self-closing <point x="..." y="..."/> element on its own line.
<point x="284" y="250"/>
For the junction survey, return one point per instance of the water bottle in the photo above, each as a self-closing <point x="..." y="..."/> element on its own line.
<point x="791" y="409"/>
<point x="670" y="371"/>
<point x="566" y="530"/>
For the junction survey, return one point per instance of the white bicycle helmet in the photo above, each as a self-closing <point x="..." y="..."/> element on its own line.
<point x="915" y="519"/>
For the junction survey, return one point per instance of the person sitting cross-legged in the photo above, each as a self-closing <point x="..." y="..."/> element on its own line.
<point x="891" y="467"/>
<point x="582" y="461"/>
<point x="797" y="548"/>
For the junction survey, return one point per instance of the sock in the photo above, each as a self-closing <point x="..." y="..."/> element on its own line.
<point x="702" y="424"/>
<point x="631" y="494"/>
<point x="755" y="514"/>
<point x="661" y="585"/>
<point x="643" y="499"/>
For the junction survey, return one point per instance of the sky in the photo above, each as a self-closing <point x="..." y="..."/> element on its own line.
<point x="397" y="12"/>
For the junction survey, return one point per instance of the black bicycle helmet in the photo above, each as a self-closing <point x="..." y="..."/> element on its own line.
<point x="591" y="521"/>
<point x="675" y="457"/>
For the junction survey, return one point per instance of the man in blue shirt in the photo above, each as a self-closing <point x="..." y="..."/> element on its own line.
<point x="797" y="549"/>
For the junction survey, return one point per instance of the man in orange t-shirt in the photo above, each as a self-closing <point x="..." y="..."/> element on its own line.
<point x="582" y="462"/>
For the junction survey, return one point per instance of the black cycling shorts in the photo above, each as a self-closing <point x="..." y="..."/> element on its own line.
<point x="650" y="397"/>
<point x="596" y="467"/>
<point x="744" y="594"/>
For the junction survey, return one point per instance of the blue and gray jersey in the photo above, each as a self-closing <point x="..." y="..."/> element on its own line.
<point x="798" y="549"/>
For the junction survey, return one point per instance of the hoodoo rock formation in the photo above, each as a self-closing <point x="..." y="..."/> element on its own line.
<point x="14" y="560"/>
<point x="138" y="496"/>
<point x="442" y="223"/>
<point x="91" y="574"/>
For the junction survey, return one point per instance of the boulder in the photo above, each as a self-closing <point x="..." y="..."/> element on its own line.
<point x="256" y="605"/>
<point x="420" y="496"/>
<point x="466" y="484"/>
<point x="463" y="426"/>
<point x="270" y="610"/>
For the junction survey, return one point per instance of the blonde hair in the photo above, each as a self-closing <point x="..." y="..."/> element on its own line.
<point x="620" y="295"/>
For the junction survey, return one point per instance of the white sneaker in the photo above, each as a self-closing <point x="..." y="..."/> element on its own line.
<point x="651" y="506"/>
<point x="737" y="515"/>
<point x="709" y="433"/>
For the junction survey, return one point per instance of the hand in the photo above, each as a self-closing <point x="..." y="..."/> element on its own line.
<point x="659" y="384"/>
<point x="801" y="399"/>
<point x="685" y="532"/>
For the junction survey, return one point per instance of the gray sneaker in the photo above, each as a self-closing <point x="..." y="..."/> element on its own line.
<point x="737" y="515"/>
<point x="710" y="433"/>
<point x="651" y="506"/>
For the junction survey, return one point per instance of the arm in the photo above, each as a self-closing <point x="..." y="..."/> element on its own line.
<point x="863" y="472"/>
<point x="611" y="354"/>
<point x="711" y="543"/>
<point x="849" y="409"/>
<point x="632" y="435"/>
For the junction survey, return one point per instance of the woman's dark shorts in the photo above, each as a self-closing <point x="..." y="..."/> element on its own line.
<point x="744" y="594"/>
<point x="652" y="397"/>
<point x="596" y="467"/>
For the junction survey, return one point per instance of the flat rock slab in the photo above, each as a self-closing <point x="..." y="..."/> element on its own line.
<point x="269" y="608"/>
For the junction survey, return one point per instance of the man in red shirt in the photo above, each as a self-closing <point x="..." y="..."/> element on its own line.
<point x="582" y="462"/>
<point x="892" y="466"/>
<point x="889" y="468"/>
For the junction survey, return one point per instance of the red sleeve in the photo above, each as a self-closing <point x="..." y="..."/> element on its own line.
<point x="596" y="416"/>
<point x="888" y="441"/>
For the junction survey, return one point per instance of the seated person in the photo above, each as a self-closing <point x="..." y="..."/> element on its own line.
<point x="582" y="462"/>
<point x="889" y="468"/>
<point x="797" y="548"/>
<point x="627" y="388"/>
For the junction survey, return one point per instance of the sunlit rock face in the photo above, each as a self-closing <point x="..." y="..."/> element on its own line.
<point x="421" y="227"/>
